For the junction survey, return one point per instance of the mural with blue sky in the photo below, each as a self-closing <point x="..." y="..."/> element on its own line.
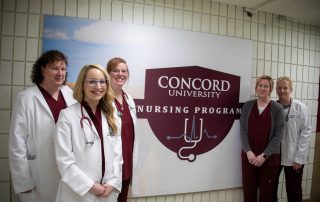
<point x="88" y="41"/>
<point x="84" y="41"/>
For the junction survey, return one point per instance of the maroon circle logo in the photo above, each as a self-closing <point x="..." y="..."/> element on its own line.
<point x="190" y="109"/>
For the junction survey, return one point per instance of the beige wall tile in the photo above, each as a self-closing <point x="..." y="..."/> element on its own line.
<point x="214" y="24"/>
<point x="196" y="22"/>
<point x="197" y="6"/>
<point x="188" y="5"/>
<point x="4" y="170"/>
<point x="47" y="6"/>
<point x="27" y="79"/>
<point x="18" y="73"/>
<point x="7" y="48"/>
<point x="32" y="49"/>
<point x="4" y="139"/>
<point x="231" y="26"/>
<point x="222" y="25"/>
<point x="4" y="191"/>
<point x="239" y="28"/>
<point x="128" y="12"/>
<point x="168" y="17"/>
<point x="5" y="98"/>
<point x="5" y="72"/>
<point x="7" y="23"/>
<point x="287" y="54"/>
<point x="254" y="31"/>
<point x="4" y="121"/>
<point x="19" y="49"/>
<point x="205" y="23"/>
<point x="149" y="14"/>
<point x="187" y="20"/>
<point x="21" y="24"/>
<point x="8" y="5"/>
<point x="34" y="6"/>
<point x="83" y="8"/>
<point x="206" y="6"/>
<point x="138" y="14"/>
<point x="178" y="4"/>
<point x="158" y="16"/>
<point x="94" y="9"/>
<point x="59" y="7"/>
<point x="288" y="37"/>
<point x="71" y="8"/>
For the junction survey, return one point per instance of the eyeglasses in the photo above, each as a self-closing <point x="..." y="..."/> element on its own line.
<point x="117" y="71"/>
<point x="93" y="82"/>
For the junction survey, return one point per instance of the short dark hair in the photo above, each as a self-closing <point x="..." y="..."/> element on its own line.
<point x="46" y="58"/>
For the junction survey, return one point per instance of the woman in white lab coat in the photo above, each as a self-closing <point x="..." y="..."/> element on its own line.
<point x="87" y="142"/>
<point x="33" y="167"/>
<point x="296" y="139"/>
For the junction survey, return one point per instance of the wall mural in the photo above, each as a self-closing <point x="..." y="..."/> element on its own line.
<point x="188" y="87"/>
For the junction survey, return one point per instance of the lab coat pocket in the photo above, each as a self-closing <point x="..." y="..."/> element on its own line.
<point x="28" y="197"/>
<point x="33" y="164"/>
<point x="31" y="149"/>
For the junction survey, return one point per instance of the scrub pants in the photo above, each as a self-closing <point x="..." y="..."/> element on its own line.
<point x="263" y="178"/>
<point x="293" y="183"/>
<point x="124" y="190"/>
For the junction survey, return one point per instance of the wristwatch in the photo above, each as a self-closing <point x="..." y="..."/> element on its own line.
<point x="265" y="156"/>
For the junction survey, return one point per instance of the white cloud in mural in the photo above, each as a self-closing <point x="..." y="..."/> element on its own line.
<point x="54" y="34"/>
<point x="103" y="32"/>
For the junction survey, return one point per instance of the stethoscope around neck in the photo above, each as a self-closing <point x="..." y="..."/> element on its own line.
<point x="289" y="107"/>
<point x="119" y="112"/>
<point x="88" y="141"/>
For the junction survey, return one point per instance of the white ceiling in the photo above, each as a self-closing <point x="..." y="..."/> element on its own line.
<point x="308" y="10"/>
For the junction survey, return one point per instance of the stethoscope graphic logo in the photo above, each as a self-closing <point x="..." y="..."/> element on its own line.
<point x="190" y="109"/>
<point x="191" y="139"/>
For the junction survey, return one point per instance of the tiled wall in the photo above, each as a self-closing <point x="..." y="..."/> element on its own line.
<point x="281" y="46"/>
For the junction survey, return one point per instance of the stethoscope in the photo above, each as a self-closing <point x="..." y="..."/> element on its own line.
<point x="289" y="107"/>
<point x="83" y="120"/>
<point x="119" y="113"/>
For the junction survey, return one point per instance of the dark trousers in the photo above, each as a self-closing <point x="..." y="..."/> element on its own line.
<point x="293" y="183"/>
<point x="124" y="191"/>
<point x="263" y="178"/>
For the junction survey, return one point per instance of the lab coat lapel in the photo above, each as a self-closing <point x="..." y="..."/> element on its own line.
<point x="41" y="99"/>
<point x="105" y="126"/>
<point x="68" y="97"/>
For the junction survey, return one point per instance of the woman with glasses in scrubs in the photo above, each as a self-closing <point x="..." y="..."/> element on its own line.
<point x="126" y="111"/>
<point x="261" y="125"/>
<point x="88" y="143"/>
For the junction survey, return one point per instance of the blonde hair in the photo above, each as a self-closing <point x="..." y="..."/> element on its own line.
<point x="266" y="78"/>
<point x="285" y="78"/>
<point x="106" y="100"/>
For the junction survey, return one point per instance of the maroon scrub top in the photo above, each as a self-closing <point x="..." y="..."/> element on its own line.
<point x="127" y="137"/>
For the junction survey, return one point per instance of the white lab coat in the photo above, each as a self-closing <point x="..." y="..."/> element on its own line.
<point x="133" y="113"/>
<point x="31" y="150"/>
<point x="297" y="134"/>
<point x="79" y="163"/>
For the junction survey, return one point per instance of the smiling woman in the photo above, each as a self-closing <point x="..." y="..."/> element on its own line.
<point x="91" y="163"/>
<point x="261" y="125"/>
<point x="125" y="106"/>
